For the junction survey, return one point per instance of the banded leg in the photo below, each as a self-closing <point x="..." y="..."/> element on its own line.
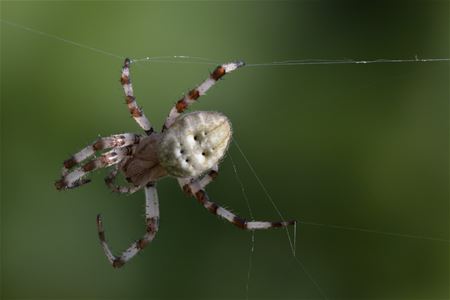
<point x="103" y="143"/>
<point x="202" y="197"/>
<point x="194" y="94"/>
<point x="75" y="178"/>
<point x="110" y="179"/>
<point x="135" y="111"/>
<point x="200" y="183"/>
<point x="152" y="224"/>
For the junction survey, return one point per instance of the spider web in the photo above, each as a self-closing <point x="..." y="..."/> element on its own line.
<point x="185" y="59"/>
<point x="292" y="241"/>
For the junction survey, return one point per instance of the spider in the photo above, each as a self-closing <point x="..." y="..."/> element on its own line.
<point x="189" y="148"/>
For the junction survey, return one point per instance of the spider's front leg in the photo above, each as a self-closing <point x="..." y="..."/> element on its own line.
<point x="103" y="143"/>
<point x="75" y="177"/>
<point x="152" y="224"/>
<point x="197" y="189"/>
<point x="194" y="94"/>
<point x="135" y="111"/>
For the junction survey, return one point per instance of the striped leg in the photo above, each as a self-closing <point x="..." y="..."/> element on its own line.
<point x="202" y="197"/>
<point x="135" y="110"/>
<point x="74" y="178"/>
<point x="109" y="180"/>
<point x="194" y="94"/>
<point x="202" y="183"/>
<point x="208" y="178"/>
<point x="152" y="224"/>
<point x="113" y="141"/>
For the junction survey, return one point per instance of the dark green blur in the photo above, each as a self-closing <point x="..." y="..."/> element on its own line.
<point x="364" y="146"/>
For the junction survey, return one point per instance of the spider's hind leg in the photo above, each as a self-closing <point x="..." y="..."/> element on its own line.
<point x="152" y="224"/>
<point x="197" y="190"/>
<point x="202" y="183"/>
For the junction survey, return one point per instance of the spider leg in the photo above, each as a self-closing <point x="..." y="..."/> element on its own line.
<point x="109" y="180"/>
<point x="200" y="194"/>
<point x="152" y="224"/>
<point x="209" y="177"/>
<point x="200" y="90"/>
<point x="74" y="178"/>
<point x="203" y="182"/>
<point x="103" y="143"/>
<point x="135" y="111"/>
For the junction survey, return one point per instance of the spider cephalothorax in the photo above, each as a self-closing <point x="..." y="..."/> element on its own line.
<point x="189" y="148"/>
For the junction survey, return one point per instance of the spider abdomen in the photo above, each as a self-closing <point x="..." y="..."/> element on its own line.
<point x="194" y="143"/>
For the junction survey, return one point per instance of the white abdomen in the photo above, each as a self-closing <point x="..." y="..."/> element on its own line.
<point x="194" y="143"/>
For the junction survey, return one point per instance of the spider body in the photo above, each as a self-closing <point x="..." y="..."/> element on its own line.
<point x="143" y="165"/>
<point x="189" y="148"/>
<point x="194" y="144"/>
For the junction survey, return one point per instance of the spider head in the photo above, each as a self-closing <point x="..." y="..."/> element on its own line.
<point x="195" y="143"/>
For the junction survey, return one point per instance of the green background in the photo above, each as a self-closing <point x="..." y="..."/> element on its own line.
<point x="363" y="146"/>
